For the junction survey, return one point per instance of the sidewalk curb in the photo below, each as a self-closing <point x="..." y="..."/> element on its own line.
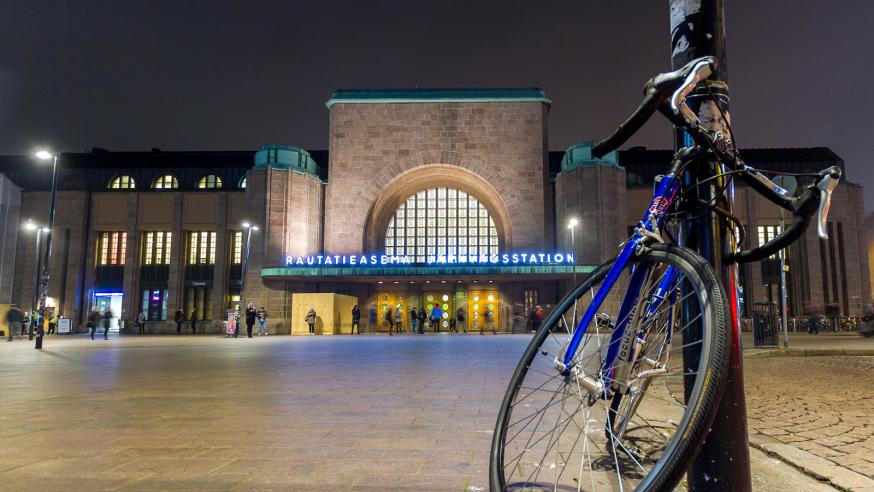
<point x="811" y="465"/>
<point x="791" y="352"/>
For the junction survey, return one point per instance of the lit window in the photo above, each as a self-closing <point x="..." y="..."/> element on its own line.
<point x="165" y="182"/>
<point x="237" y="248"/>
<point x="111" y="248"/>
<point x="209" y="182"/>
<point x="243" y="183"/>
<point x="201" y="248"/>
<point x="767" y="233"/>
<point x="156" y="248"/>
<point x="441" y="223"/>
<point x="122" y="183"/>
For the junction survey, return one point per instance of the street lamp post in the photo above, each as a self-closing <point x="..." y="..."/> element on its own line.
<point x="249" y="228"/>
<point x="572" y="224"/>
<point x="31" y="226"/>
<point x="44" y="281"/>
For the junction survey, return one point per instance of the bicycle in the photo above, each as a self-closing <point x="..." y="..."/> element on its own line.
<point x="624" y="397"/>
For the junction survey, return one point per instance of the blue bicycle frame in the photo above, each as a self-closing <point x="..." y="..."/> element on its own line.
<point x="652" y="222"/>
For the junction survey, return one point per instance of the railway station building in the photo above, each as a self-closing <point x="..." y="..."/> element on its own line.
<point x="423" y="197"/>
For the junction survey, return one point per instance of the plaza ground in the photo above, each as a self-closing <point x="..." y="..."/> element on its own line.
<point x="328" y="413"/>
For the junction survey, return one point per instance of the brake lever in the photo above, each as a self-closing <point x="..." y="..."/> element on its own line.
<point x="826" y="186"/>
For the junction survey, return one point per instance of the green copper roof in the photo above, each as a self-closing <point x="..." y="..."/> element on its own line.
<point x="580" y="155"/>
<point x="396" y="270"/>
<point x="401" y="96"/>
<point x="285" y="157"/>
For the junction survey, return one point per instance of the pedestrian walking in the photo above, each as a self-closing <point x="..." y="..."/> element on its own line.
<point x="436" y="316"/>
<point x="388" y="321"/>
<point x="93" y="321"/>
<point x="453" y="325"/>
<point x="489" y="324"/>
<point x="24" y="323"/>
<point x="107" y="317"/>
<point x="399" y="320"/>
<point x="193" y="321"/>
<point x="53" y="324"/>
<point x="310" y="320"/>
<point x="141" y="323"/>
<point x="371" y="319"/>
<point x="422" y="317"/>
<point x="414" y="320"/>
<point x="356" y="320"/>
<point x="13" y="317"/>
<point x="536" y="317"/>
<point x="179" y="317"/>
<point x="251" y="316"/>
<point x="461" y="317"/>
<point x="262" y="321"/>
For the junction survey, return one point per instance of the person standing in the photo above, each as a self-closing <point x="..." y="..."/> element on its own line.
<point x="436" y="316"/>
<point x="179" y="317"/>
<point x="193" y="321"/>
<point x="356" y="320"/>
<point x="107" y="318"/>
<point x="141" y="322"/>
<point x="460" y="318"/>
<point x="422" y="317"/>
<point x="93" y="321"/>
<point x="25" y="321"/>
<point x="371" y="319"/>
<point x="387" y="320"/>
<point x="53" y="324"/>
<point x="310" y="320"/>
<point x="262" y="321"/>
<point x="414" y="319"/>
<point x="251" y="316"/>
<point x="399" y="320"/>
<point x="13" y="317"/>
<point x="537" y="316"/>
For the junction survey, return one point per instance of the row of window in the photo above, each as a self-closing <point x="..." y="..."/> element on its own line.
<point x="169" y="182"/>
<point x="156" y="245"/>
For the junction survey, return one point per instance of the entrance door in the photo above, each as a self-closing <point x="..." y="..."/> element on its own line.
<point x="444" y="300"/>
<point x="395" y="301"/>
<point x="155" y="304"/>
<point x="112" y="301"/>
<point x="483" y="309"/>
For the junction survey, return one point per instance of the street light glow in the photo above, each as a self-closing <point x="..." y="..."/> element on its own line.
<point x="246" y="225"/>
<point x="254" y="228"/>
<point x="44" y="155"/>
<point x="30" y="226"/>
<point x="572" y="223"/>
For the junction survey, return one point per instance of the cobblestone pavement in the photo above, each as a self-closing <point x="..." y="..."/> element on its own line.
<point x="821" y="405"/>
<point x="272" y="413"/>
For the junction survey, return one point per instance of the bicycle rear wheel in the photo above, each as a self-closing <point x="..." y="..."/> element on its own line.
<point x="641" y="431"/>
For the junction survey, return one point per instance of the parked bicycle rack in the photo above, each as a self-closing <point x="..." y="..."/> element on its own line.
<point x="766" y="326"/>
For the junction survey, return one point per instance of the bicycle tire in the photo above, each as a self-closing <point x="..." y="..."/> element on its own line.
<point x="703" y="394"/>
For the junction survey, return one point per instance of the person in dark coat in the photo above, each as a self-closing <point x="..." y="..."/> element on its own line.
<point x="179" y="317"/>
<point x="107" y="317"/>
<point x="388" y="319"/>
<point x="251" y="316"/>
<point x="414" y="320"/>
<point x="356" y="320"/>
<point x="13" y="317"/>
<point x="422" y="317"/>
<point x="193" y="320"/>
<point x="93" y="321"/>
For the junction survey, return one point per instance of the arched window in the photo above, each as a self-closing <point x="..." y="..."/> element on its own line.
<point x="165" y="182"/>
<point x="441" y="223"/>
<point x="209" y="182"/>
<point x="243" y="183"/>
<point x="123" y="182"/>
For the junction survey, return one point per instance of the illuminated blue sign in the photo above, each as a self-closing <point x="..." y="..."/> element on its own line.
<point x="388" y="260"/>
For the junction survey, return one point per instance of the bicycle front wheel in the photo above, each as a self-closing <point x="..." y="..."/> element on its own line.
<point x="630" y="423"/>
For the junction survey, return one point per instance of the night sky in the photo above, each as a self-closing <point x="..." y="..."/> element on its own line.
<point x="232" y="75"/>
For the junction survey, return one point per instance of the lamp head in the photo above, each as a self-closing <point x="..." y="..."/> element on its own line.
<point x="246" y="225"/>
<point x="572" y="223"/>
<point x="44" y="154"/>
<point x="30" y="226"/>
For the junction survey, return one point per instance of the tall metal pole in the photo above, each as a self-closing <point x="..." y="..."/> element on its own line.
<point x="784" y="311"/>
<point x="245" y="267"/>
<point x="698" y="29"/>
<point x="44" y="288"/>
<point x="36" y="275"/>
